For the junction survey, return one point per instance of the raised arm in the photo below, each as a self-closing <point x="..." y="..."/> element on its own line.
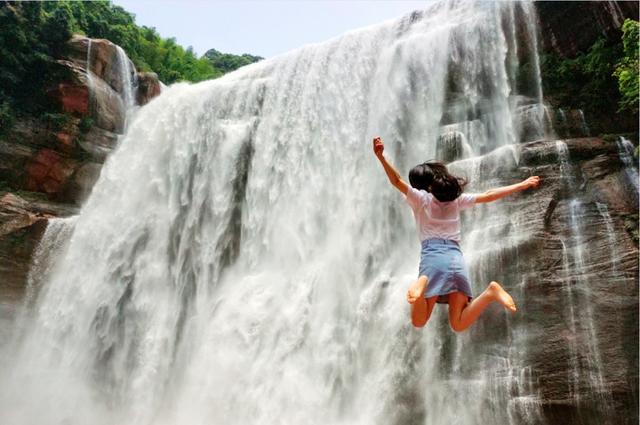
<point x="392" y="173"/>
<point x="500" y="192"/>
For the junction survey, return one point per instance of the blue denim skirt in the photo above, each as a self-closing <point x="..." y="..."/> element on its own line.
<point x="442" y="262"/>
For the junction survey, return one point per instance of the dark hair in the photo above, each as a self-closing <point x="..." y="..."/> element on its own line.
<point x="434" y="177"/>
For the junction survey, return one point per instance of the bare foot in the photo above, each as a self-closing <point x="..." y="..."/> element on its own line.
<point x="416" y="290"/>
<point x="502" y="296"/>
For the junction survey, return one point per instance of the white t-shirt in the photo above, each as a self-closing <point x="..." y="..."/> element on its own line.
<point x="435" y="219"/>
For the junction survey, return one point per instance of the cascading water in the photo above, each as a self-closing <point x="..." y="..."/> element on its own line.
<point x="585" y="366"/>
<point x="583" y="123"/>
<point x="128" y="81"/>
<point x="242" y="259"/>
<point x="625" y="151"/>
<point x="125" y="83"/>
<point x="611" y="235"/>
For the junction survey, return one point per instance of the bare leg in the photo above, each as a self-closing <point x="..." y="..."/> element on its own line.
<point x="416" y="290"/>
<point x="421" y="308"/>
<point x="462" y="315"/>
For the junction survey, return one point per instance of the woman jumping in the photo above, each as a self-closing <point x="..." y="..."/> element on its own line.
<point x="436" y="198"/>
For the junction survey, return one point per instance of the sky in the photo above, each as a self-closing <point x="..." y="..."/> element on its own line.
<point x="261" y="27"/>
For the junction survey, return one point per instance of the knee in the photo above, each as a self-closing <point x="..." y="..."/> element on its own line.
<point x="456" y="327"/>
<point x="419" y="323"/>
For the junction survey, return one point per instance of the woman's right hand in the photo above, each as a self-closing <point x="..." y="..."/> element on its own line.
<point x="378" y="146"/>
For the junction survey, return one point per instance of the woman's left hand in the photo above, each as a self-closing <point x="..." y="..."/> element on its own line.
<point x="532" y="182"/>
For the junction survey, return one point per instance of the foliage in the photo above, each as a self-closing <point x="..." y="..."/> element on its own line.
<point x="56" y="121"/>
<point x="227" y="62"/>
<point x="6" y="116"/>
<point x="30" y="39"/>
<point x="584" y="81"/>
<point x="588" y="81"/>
<point x="626" y="70"/>
<point x="85" y="124"/>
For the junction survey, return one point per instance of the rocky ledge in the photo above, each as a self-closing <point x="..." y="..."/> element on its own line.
<point x="570" y="257"/>
<point x="49" y="164"/>
<point x="62" y="157"/>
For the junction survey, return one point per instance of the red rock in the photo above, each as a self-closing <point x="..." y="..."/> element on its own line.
<point x="51" y="186"/>
<point x="48" y="172"/>
<point x="37" y="172"/>
<point x="65" y="141"/>
<point x="72" y="98"/>
<point x="61" y="170"/>
<point x="46" y="157"/>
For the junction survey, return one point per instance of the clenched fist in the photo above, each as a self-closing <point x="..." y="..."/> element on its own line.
<point x="378" y="146"/>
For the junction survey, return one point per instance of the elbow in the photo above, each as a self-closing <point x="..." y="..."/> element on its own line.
<point x="490" y="196"/>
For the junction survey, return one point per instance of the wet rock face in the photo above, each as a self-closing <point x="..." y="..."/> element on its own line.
<point x="22" y="223"/>
<point x="48" y="171"/>
<point x="574" y="277"/>
<point x="148" y="87"/>
<point x="61" y="160"/>
<point x="450" y="146"/>
<point x="568" y="27"/>
<point x="569" y="123"/>
<point x="101" y="57"/>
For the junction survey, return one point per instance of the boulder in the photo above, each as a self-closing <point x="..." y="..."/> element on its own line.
<point x="81" y="182"/>
<point x="87" y="97"/>
<point x="569" y="123"/>
<point x="48" y="172"/>
<point x="98" y="143"/>
<point x="450" y="146"/>
<point x="148" y="87"/>
<point x="104" y="59"/>
<point x="13" y="162"/>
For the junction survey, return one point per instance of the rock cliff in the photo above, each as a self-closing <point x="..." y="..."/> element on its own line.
<point x="569" y="27"/>
<point x="581" y="285"/>
<point x="49" y="166"/>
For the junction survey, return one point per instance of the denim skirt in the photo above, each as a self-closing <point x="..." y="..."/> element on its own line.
<point x="442" y="262"/>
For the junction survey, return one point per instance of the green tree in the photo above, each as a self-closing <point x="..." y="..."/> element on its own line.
<point x="30" y="40"/>
<point x="627" y="68"/>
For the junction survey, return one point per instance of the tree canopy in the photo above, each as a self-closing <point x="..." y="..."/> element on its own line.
<point x="628" y="68"/>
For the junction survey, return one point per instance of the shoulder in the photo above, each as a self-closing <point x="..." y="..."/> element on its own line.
<point x="466" y="200"/>
<point x="417" y="197"/>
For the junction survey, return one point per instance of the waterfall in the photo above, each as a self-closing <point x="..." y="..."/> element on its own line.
<point x="625" y="152"/>
<point x="583" y="123"/>
<point x="242" y="260"/>
<point x="611" y="236"/>
<point x="128" y="81"/>
<point x="585" y="365"/>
